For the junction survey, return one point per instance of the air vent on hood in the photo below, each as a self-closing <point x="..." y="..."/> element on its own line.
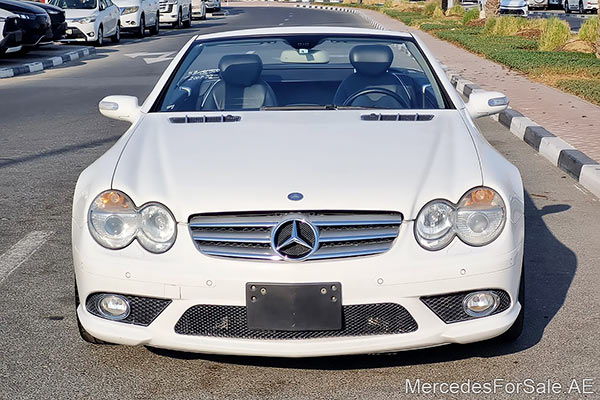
<point x="205" y="119"/>
<point x="397" y="117"/>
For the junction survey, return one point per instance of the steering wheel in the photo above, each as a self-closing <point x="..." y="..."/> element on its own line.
<point x="382" y="91"/>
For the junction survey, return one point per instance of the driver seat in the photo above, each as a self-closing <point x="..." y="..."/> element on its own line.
<point x="240" y="87"/>
<point x="371" y="64"/>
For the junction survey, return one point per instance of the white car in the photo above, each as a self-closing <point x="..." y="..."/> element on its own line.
<point x="199" y="9"/>
<point x="213" y="5"/>
<point x="514" y="7"/>
<point x="178" y="13"/>
<point x="300" y="192"/>
<point x="581" y="6"/>
<point x="543" y="4"/>
<point x="91" y="20"/>
<point x="139" y="15"/>
<point x="10" y="34"/>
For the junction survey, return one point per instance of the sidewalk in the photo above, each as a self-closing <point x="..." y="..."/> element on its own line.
<point x="568" y="117"/>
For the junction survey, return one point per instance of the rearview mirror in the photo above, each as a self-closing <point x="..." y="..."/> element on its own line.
<point x="121" y="108"/>
<point x="304" y="56"/>
<point x="482" y="103"/>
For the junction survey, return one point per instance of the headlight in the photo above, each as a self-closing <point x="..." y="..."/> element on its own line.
<point x="115" y="222"/>
<point x="27" y="16"/>
<point x="477" y="219"/>
<point x="129" y="10"/>
<point x="85" y="20"/>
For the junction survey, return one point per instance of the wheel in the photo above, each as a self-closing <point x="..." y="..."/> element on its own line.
<point x="567" y="10"/>
<point x="156" y="28"/>
<point x="581" y="9"/>
<point x="188" y="22"/>
<point x="116" y="38"/>
<point x="516" y="329"/>
<point x="178" y="23"/>
<point x="100" y="39"/>
<point x="85" y="335"/>
<point x="141" y="31"/>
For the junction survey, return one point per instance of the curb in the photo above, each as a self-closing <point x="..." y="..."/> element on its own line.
<point x="349" y="10"/>
<point x="560" y="153"/>
<point x="47" y="63"/>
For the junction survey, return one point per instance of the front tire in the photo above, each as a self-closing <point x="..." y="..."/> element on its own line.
<point x="156" y="28"/>
<point x="85" y="335"/>
<point x="581" y="9"/>
<point x="116" y="38"/>
<point x="567" y="9"/>
<point x="178" y="23"/>
<point x="100" y="39"/>
<point x="141" y="32"/>
<point x="188" y="22"/>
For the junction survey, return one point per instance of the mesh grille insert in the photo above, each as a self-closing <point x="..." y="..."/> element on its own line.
<point x="449" y="307"/>
<point x="358" y="320"/>
<point x="143" y="310"/>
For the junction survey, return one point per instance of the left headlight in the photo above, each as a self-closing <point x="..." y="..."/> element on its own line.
<point x="477" y="219"/>
<point x="115" y="223"/>
<point x="129" y="10"/>
<point x="84" y="20"/>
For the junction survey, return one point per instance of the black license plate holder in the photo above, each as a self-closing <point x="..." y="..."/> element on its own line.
<point x="294" y="307"/>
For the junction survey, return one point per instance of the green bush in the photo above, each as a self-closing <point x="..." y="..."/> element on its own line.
<point x="456" y="11"/>
<point x="430" y="7"/>
<point x="589" y="30"/>
<point x="508" y="26"/>
<point x="471" y="15"/>
<point x="555" y="33"/>
<point x="438" y="13"/>
<point x="586" y="88"/>
<point x="490" y="23"/>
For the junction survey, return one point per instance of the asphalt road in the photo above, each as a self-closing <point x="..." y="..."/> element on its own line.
<point x="50" y="130"/>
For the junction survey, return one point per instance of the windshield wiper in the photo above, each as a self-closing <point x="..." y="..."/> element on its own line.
<point x="298" y="107"/>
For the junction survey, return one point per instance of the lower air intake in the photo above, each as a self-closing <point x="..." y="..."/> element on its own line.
<point x="358" y="320"/>
<point x="143" y="310"/>
<point x="449" y="307"/>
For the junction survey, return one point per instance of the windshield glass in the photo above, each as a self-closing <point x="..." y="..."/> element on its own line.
<point x="75" y="4"/>
<point x="302" y="72"/>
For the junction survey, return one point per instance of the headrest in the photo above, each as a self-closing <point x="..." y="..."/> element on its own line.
<point x="371" y="59"/>
<point x="241" y="69"/>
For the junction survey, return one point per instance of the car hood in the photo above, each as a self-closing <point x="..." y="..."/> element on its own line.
<point x="73" y="13"/>
<point x="335" y="159"/>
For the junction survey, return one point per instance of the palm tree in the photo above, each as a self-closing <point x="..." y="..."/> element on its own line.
<point x="598" y="41"/>
<point x="491" y="8"/>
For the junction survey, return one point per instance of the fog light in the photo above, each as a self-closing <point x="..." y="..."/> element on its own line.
<point x="113" y="307"/>
<point x="481" y="304"/>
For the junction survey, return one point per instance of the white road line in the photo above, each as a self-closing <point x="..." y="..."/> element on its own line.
<point x="21" y="251"/>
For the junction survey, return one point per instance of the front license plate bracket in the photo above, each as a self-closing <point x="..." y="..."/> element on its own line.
<point x="294" y="307"/>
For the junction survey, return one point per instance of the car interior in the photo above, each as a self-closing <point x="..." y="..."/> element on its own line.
<point x="242" y="82"/>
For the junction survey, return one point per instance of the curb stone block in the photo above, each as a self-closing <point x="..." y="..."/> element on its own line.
<point x="534" y="134"/>
<point x="572" y="161"/>
<point x="28" y="68"/>
<point x="590" y="178"/>
<point x="550" y="148"/>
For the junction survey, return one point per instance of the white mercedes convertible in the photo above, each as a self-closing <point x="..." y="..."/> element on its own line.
<point x="300" y="192"/>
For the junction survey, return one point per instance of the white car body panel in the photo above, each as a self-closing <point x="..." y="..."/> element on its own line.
<point x="169" y="15"/>
<point x="588" y="5"/>
<point x="147" y="8"/>
<point x="514" y="7"/>
<point x="199" y="9"/>
<point x="349" y="165"/>
<point x="7" y="14"/>
<point x="108" y="18"/>
<point x="213" y="5"/>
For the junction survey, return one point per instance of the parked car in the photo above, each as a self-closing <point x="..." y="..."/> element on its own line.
<point x="581" y="6"/>
<point x="213" y="5"/>
<point x="387" y="221"/>
<point x="139" y="15"/>
<point x="199" y="9"/>
<point x="178" y="13"/>
<point x="543" y="4"/>
<point x="57" y="18"/>
<point x="11" y="35"/>
<point x="33" y="21"/>
<point x="91" y="20"/>
<point x="514" y="7"/>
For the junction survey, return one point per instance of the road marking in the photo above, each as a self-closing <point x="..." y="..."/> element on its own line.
<point x="163" y="56"/>
<point x="21" y="251"/>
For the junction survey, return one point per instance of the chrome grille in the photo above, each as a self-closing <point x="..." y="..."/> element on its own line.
<point x="340" y="234"/>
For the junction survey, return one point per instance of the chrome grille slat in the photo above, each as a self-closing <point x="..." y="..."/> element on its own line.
<point x="340" y="234"/>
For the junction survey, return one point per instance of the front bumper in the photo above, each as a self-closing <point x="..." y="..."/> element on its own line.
<point x="401" y="276"/>
<point x="130" y="21"/>
<point x="169" y="15"/>
<point x="510" y="10"/>
<point x="11" y="42"/>
<point x="80" y="33"/>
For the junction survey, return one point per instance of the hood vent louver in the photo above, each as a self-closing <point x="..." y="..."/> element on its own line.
<point x="397" y="117"/>
<point x="205" y="119"/>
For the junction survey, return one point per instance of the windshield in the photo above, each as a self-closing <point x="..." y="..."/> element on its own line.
<point x="75" y="4"/>
<point x="302" y="72"/>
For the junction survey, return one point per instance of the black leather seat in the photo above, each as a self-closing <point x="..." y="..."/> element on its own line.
<point x="240" y="87"/>
<point x="371" y="64"/>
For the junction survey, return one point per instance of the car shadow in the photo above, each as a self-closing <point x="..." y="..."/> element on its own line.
<point x="549" y="270"/>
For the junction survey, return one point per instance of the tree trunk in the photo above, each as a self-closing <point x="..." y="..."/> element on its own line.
<point x="492" y="8"/>
<point x="598" y="41"/>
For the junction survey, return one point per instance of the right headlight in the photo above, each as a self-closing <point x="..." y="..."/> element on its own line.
<point x="129" y="10"/>
<point x="477" y="219"/>
<point x="115" y="223"/>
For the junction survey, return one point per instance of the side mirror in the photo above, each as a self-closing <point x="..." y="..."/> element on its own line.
<point x="484" y="103"/>
<point x="121" y="108"/>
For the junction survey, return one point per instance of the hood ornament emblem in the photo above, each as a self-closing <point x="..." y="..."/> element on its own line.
<point x="295" y="239"/>
<point x="295" y="196"/>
